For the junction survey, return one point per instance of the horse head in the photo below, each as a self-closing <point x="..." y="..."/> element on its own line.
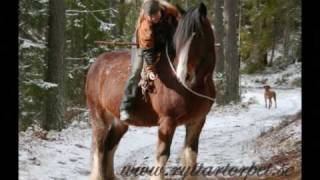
<point x="194" y="44"/>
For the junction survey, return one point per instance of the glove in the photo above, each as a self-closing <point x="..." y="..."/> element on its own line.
<point x="148" y="55"/>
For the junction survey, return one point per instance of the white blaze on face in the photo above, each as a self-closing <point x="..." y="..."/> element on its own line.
<point x="182" y="67"/>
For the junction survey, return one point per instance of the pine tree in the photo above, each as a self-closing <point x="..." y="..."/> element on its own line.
<point x="220" y="59"/>
<point x="232" y="58"/>
<point x="55" y="105"/>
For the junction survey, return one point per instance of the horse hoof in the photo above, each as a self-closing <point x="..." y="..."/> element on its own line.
<point x="157" y="178"/>
<point x="114" y="178"/>
<point x="190" y="178"/>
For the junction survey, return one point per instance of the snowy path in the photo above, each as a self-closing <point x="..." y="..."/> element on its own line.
<point x="227" y="137"/>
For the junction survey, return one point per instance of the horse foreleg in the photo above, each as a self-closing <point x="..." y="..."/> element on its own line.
<point x="165" y="135"/>
<point x="114" y="136"/>
<point x="99" y="133"/>
<point x="190" y="151"/>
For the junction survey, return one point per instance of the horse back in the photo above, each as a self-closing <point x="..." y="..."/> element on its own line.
<point x="105" y="82"/>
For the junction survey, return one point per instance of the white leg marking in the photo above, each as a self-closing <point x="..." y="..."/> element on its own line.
<point x="95" y="173"/>
<point x="160" y="163"/>
<point x="110" y="165"/>
<point x="190" y="157"/>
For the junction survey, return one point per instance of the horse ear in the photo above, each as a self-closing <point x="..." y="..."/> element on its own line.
<point x="203" y="9"/>
<point x="180" y="9"/>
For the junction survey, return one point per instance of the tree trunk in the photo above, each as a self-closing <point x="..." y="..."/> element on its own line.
<point x="111" y="6"/>
<point x="286" y="38"/>
<point x="83" y="50"/>
<point x="122" y="17"/>
<point x="232" y="55"/>
<point x="219" y="35"/>
<point x="273" y="41"/>
<point x="54" y="111"/>
<point x="272" y="52"/>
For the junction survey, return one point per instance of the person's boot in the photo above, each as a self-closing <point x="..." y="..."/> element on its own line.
<point x="131" y="88"/>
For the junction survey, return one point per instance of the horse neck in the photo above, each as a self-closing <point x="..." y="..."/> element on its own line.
<point x="163" y="66"/>
<point x="169" y="77"/>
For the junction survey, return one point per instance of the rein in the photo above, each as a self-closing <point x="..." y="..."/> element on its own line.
<point x="183" y="84"/>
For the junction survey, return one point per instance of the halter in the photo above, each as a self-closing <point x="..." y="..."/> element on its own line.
<point x="183" y="84"/>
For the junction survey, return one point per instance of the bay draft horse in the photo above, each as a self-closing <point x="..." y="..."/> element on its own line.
<point x="169" y="106"/>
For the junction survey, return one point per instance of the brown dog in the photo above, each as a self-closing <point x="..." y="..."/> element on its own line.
<point x="268" y="95"/>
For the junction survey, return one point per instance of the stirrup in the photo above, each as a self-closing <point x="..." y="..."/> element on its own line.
<point x="150" y="70"/>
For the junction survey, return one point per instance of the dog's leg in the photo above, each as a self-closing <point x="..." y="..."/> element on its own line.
<point x="265" y="100"/>
<point x="270" y="102"/>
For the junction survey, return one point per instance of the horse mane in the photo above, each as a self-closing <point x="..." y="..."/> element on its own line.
<point x="190" y="23"/>
<point x="188" y="27"/>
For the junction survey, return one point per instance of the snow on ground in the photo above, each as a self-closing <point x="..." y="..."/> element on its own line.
<point x="287" y="78"/>
<point x="66" y="157"/>
<point x="282" y="140"/>
<point x="227" y="137"/>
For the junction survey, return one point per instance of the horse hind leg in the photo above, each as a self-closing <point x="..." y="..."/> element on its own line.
<point x="115" y="134"/>
<point x="190" y="150"/>
<point x="99" y="134"/>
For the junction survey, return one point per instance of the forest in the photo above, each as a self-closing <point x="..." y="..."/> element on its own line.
<point x="57" y="46"/>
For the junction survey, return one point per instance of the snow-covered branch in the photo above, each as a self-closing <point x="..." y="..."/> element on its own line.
<point x="103" y="25"/>
<point x="76" y="58"/>
<point x="40" y="83"/>
<point x="28" y="43"/>
<point x="89" y="11"/>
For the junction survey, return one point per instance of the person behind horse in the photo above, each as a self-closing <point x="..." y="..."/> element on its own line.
<point x="150" y="36"/>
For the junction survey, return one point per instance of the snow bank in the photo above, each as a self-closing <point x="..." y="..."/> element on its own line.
<point x="288" y="78"/>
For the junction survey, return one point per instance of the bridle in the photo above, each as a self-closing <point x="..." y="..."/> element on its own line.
<point x="183" y="84"/>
